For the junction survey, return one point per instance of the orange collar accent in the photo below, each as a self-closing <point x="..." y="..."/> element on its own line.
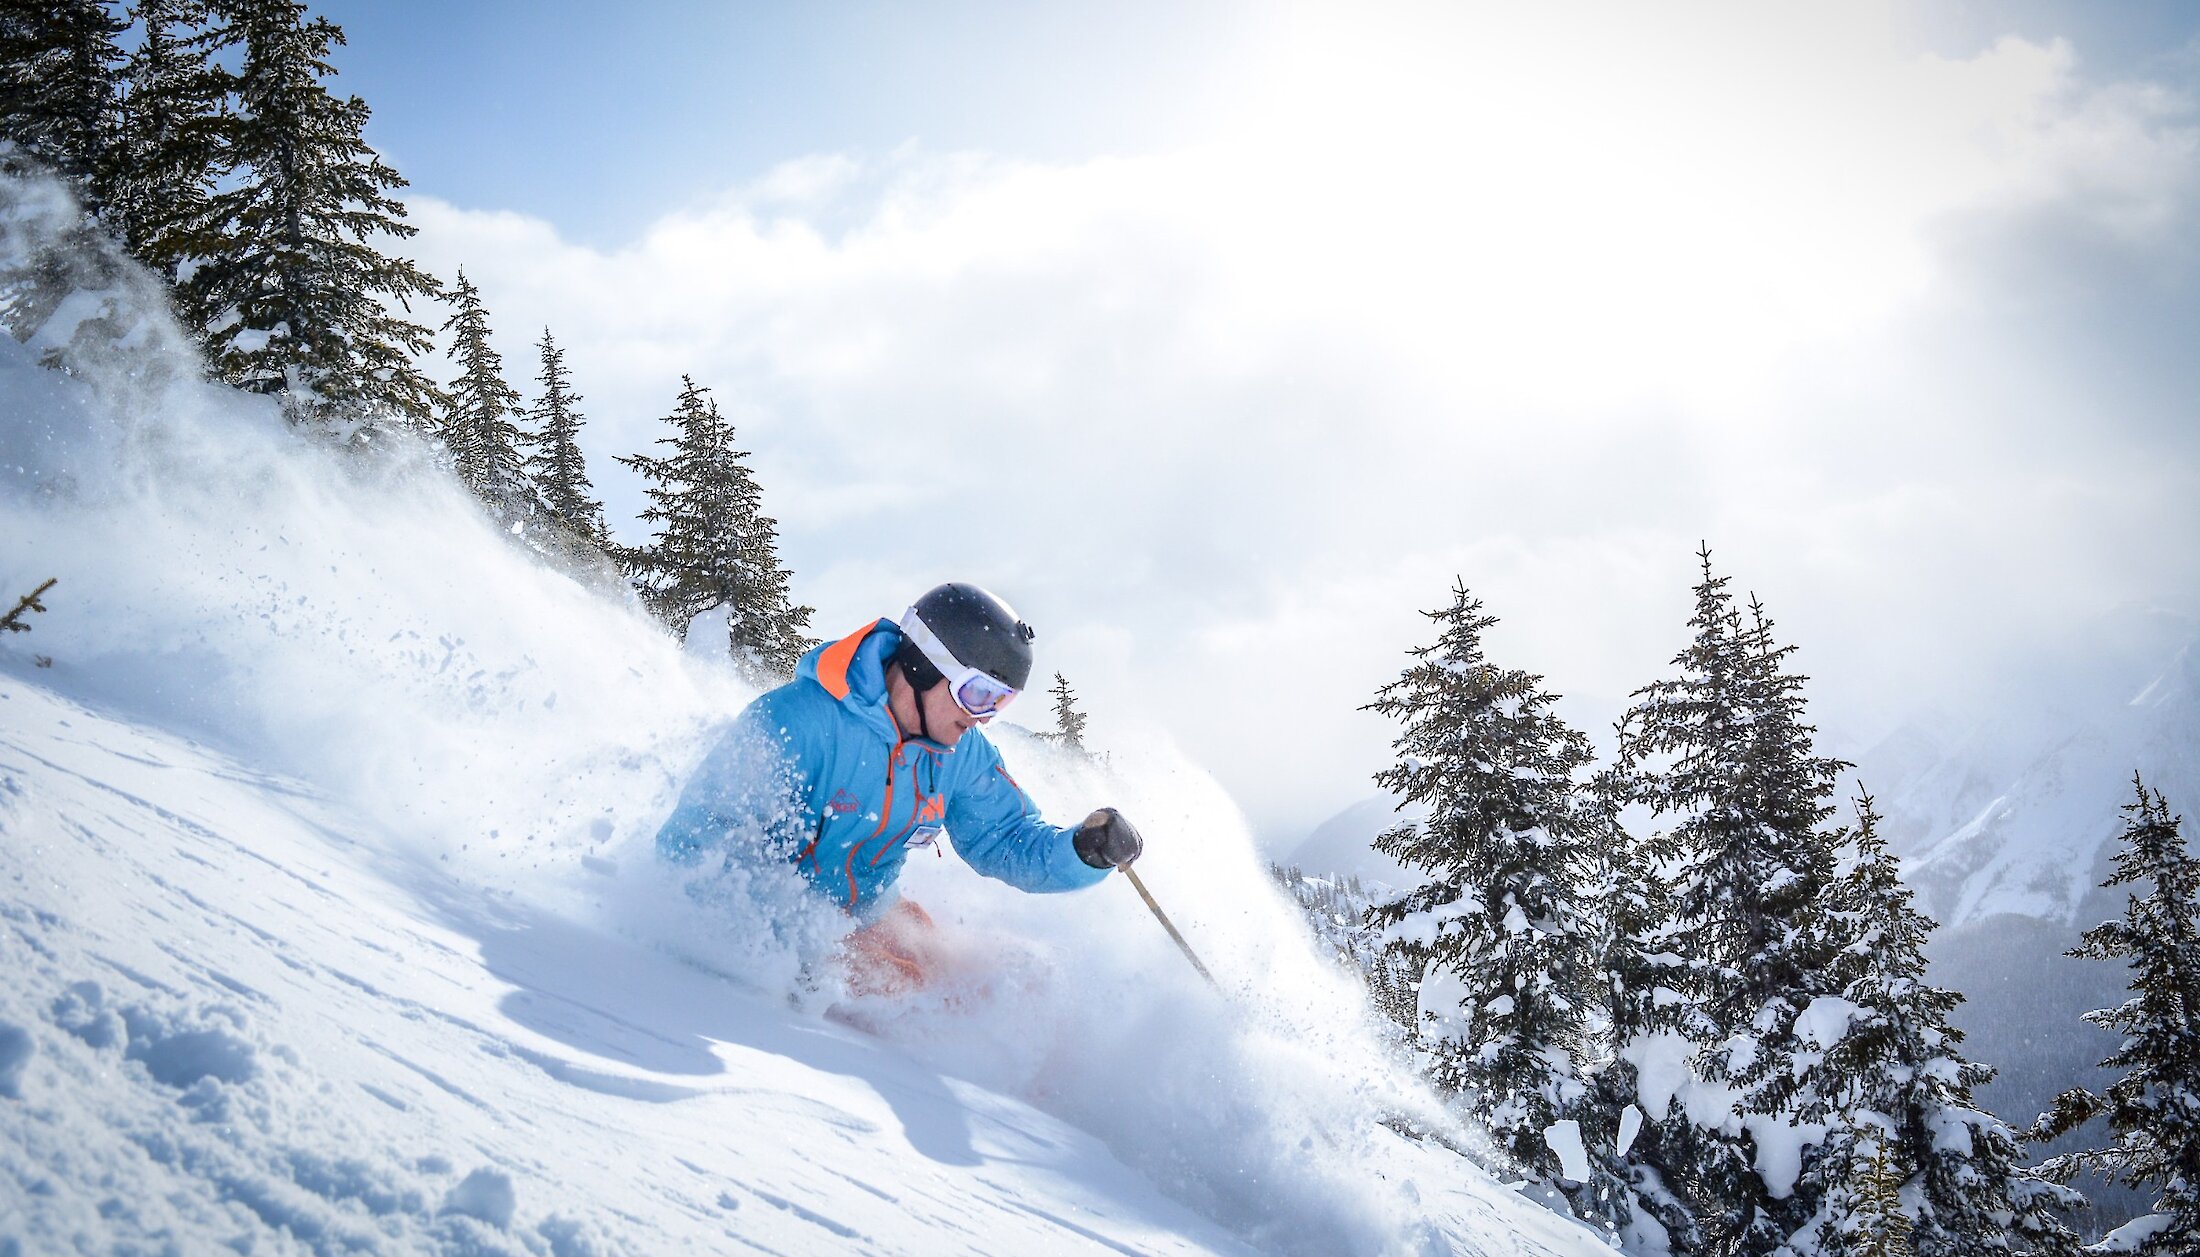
<point x="832" y="665"/>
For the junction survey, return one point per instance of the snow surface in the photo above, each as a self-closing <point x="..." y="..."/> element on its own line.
<point x="328" y="923"/>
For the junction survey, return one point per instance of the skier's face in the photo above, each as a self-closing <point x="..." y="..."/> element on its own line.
<point x="943" y="717"/>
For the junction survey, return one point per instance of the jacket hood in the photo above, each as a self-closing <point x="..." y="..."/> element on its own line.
<point x="853" y="671"/>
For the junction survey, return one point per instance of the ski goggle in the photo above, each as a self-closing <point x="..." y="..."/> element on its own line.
<point x="978" y="693"/>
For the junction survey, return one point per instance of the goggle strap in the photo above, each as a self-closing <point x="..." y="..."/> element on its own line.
<point x="958" y="673"/>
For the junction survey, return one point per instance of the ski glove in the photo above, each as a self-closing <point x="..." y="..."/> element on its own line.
<point x="1107" y="841"/>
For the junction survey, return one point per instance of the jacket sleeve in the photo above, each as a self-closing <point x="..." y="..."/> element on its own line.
<point x="751" y="791"/>
<point x="998" y="831"/>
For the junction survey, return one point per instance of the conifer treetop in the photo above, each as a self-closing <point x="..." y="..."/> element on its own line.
<point x="555" y="461"/>
<point x="293" y="297"/>
<point x="1069" y="722"/>
<point x="2153" y="1110"/>
<point x="479" y="408"/>
<point x="1499" y="929"/>
<point x="713" y="545"/>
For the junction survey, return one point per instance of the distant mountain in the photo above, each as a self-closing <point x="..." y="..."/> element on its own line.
<point x="1344" y="845"/>
<point x="2018" y="814"/>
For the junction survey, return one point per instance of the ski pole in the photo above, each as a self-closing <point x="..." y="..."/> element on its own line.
<point x="1163" y="918"/>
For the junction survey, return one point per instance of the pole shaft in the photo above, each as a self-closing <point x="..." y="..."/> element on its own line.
<point x="1168" y="925"/>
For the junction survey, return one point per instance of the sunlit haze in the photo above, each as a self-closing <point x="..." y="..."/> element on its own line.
<point x="1220" y="341"/>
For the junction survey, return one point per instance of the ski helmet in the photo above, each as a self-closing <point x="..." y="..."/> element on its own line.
<point x="977" y="628"/>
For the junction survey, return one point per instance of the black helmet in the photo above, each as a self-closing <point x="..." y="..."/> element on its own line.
<point x="979" y="629"/>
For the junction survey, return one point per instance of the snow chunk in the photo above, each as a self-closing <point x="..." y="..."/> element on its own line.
<point x="485" y="1194"/>
<point x="1661" y="1068"/>
<point x="1564" y="1137"/>
<point x="181" y="1054"/>
<point x="1826" y="1022"/>
<point x="1630" y="1125"/>
<point x="1780" y="1147"/>
<point x="2133" y="1235"/>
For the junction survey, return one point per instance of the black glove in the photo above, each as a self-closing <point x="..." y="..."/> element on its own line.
<point x="1107" y="841"/>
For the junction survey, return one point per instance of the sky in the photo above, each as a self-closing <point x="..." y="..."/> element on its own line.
<point x="1222" y="338"/>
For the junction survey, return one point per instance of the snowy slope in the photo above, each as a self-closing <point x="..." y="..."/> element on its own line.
<point x="328" y="923"/>
<point x="230" y="1015"/>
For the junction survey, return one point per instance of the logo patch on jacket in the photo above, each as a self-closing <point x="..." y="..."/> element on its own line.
<point x="933" y="809"/>
<point x="842" y="804"/>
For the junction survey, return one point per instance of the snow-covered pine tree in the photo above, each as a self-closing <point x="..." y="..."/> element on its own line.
<point x="1723" y="752"/>
<point x="292" y="297"/>
<point x="560" y="472"/>
<point x="1640" y="1021"/>
<point x="1895" y="1094"/>
<point x="478" y="411"/>
<point x="714" y="547"/>
<point x="60" y="81"/>
<point x="59" y="84"/>
<point x="1068" y="721"/>
<point x="2153" y="1111"/>
<point x="169" y="146"/>
<point x="1498" y="931"/>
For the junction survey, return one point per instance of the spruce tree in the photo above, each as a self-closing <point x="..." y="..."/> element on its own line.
<point x="60" y="81"/>
<point x="556" y="465"/>
<point x="170" y="141"/>
<point x="478" y="411"/>
<point x="2153" y="1111"/>
<point x="1069" y="722"/>
<point x="714" y="547"/>
<point x="293" y="298"/>
<point x="1889" y="1082"/>
<point x="1722" y="755"/>
<point x="1498" y="931"/>
<point x="1642" y="1018"/>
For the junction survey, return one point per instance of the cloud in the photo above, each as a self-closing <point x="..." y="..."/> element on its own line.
<point x="1534" y="300"/>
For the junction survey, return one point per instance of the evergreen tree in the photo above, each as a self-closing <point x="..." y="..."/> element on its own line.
<point x="1069" y="722"/>
<point x="1895" y="1093"/>
<point x="170" y="141"/>
<point x="60" y="80"/>
<point x="556" y="464"/>
<point x="714" y="547"/>
<point x="477" y="417"/>
<point x="2153" y="1111"/>
<point x="1723" y="752"/>
<point x="1498" y="931"/>
<point x="293" y="298"/>
<point x="1641" y="1018"/>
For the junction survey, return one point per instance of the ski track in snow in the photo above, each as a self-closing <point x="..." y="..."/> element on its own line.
<point x="230" y="1021"/>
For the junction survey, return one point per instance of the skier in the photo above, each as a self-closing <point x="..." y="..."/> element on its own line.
<point x="873" y="750"/>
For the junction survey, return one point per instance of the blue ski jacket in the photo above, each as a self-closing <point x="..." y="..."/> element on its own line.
<point x="818" y="765"/>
